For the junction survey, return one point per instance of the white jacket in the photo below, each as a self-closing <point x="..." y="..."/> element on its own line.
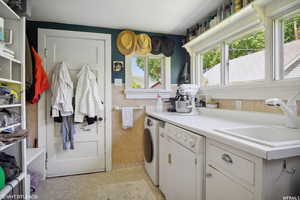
<point x="87" y="98"/>
<point x="62" y="91"/>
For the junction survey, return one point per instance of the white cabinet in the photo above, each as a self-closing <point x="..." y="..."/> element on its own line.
<point x="219" y="186"/>
<point x="234" y="174"/>
<point x="177" y="170"/>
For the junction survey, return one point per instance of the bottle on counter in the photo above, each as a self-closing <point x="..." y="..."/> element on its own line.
<point x="159" y="104"/>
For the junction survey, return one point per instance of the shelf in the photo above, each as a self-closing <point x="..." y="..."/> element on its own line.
<point x="7" y="146"/>
<point x="12" y="184"/>
<point x="32" y="154"/>
<point x="9" y="58"/>
<point x="10" y="81"/>
<point x="7" y="12"/>
<point x="10" y="105"/>
<point x="10" y="126"/>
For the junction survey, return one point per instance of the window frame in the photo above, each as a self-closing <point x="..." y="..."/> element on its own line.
<point x="256" y="89"/>
<point x="200" y="61"/>
<point x="278" y="40"/>
<point x="148" y="93"/>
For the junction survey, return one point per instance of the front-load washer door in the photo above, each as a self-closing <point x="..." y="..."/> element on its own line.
<point x="148" y="146"/>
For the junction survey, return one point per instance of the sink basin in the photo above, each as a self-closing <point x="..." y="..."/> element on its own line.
<point x="273" y="136"/>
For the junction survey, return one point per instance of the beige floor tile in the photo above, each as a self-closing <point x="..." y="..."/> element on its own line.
<point x="88" y="186"/>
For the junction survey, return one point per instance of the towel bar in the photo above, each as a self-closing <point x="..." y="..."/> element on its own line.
<point x="134" y="108"/>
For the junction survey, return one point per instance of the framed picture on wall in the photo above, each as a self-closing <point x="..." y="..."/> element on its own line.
<point x="118" y="65"/>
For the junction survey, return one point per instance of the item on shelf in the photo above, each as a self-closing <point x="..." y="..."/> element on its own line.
<point x="8" y="96"/>
<point x="238" y="5"/>
<point x="143" y="44"/>
<point x="2" y="178"/>
<point x="21" y="7"/>
<point x="156" y="43"/>
<point x="9" y="117"/>
<point x="35" y="179"/>
<point x="13" y="137"/>
<point x="126" y="42"/>
<point x="10" y="166"/>
<point x="168" y="46"/>
<point x="8" y="36"/>
<point x="1" y="29"/>
<point x="7" y="52"/>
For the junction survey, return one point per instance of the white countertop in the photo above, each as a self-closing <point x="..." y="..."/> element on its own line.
<point x="208" y="120"/>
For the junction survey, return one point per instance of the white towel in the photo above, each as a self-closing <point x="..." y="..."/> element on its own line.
<point x="127" y="117"/>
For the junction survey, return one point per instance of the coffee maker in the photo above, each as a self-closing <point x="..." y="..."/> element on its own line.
<point x="185" y="98"/>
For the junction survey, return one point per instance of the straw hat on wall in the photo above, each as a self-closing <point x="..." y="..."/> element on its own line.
<point x="143" y="45"/>
<point x="126" y="42"/>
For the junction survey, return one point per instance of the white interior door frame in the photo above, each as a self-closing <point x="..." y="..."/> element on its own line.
<point x="42" y="139"/>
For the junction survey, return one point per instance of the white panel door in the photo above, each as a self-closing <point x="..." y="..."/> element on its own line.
<point x="89" y="153"/>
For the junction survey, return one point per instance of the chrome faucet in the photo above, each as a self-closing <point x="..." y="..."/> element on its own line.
<point x="290" y="109"/>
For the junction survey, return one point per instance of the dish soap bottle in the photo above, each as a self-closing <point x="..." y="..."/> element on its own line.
<point x="159" y="104"/>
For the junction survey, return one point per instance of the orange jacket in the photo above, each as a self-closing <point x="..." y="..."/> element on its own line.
<point x="41" y="77"/>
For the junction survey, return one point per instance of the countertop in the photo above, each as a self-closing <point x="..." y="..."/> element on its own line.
<point x="207" y="120"/>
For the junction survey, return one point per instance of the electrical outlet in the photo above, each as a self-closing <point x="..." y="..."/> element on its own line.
<point x="238" y="105"/>
<point x="118" y="82"/>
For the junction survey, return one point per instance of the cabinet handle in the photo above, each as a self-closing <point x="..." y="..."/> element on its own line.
<point x="169" y="158"/>
<point x="227" y="158"/>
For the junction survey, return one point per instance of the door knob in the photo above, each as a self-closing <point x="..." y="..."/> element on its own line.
<point x="208" y="175"/>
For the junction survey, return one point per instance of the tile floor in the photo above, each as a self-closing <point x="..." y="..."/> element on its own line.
<point x="88" y="186"/>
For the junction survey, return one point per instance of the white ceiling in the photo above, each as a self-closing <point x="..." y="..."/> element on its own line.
<point x="162" y="16"/>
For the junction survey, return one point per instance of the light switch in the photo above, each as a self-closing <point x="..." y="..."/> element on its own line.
<point x="118" y="82"/>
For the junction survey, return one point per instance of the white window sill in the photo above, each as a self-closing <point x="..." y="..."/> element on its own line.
<point x="147" y="93"/>
<point x="257" y="90"/>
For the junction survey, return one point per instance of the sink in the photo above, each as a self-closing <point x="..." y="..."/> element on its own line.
<point x="273" y="136"/>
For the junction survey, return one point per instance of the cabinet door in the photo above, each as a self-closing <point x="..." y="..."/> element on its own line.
<point x="182" y="173"/>
<point x="163" y="162"/>
<point x="219" y="186"/>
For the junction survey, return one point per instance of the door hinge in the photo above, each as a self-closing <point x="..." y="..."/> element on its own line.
<point x="169" y="158"/>
<point x="46" y="161"/>
<point x="45" y="52"/>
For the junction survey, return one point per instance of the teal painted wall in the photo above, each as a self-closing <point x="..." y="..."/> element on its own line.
<point x="177" y="59"/>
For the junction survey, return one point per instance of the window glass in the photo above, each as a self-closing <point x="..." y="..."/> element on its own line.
<point x="211" y="66"/>
<point x="291" y="46"/>
<point x="154" y="72"/>
<point x="137" y="72"/>
<point x="247" y="58"/>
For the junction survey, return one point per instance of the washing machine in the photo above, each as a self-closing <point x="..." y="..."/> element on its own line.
<point x="150" y="139"/>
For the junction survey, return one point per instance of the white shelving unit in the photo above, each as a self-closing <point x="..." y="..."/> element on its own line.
<point x="13" y="74"/>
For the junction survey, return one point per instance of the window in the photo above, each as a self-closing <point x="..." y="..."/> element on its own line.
<point x="246" y="58"/>
<point x="257" y="56"/>
<point x="147" y="74"/>
<point x="211" y="66"/>
<point x="290" y="27"/>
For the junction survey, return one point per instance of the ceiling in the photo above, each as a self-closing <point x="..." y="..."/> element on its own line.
<point x="162" y="16"/>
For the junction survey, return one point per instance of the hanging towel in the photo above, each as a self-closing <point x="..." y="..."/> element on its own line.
<point x="127" y="117"/>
